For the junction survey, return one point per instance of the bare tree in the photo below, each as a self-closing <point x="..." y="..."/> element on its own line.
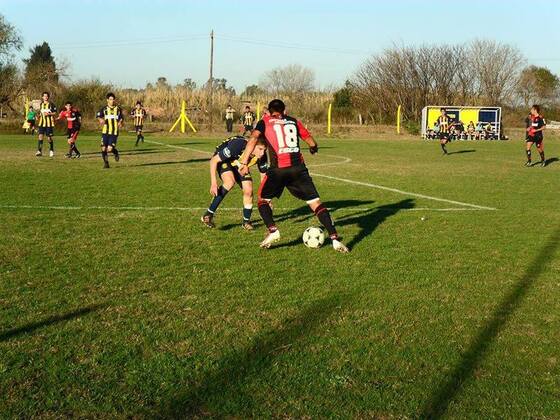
<point x="292" y="79"/>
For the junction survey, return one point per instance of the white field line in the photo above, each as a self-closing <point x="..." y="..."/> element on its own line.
<point x="363" y="184"/>
<point x="162" y="208"/>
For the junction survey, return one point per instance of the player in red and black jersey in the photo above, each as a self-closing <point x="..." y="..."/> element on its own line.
<point x="74" y="121"/>
<point x="535" y="127"/>
<point x="287" y="170"/>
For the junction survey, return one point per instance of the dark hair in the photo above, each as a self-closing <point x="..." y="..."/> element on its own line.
<point x="247" y="107"/>
<point x="261" y="141"/>
<point x="110" y="95"/>
<point x="138" y="103"/>
<point x="67" y="103"/>
<point x="442" y="109"/>
<point x="46" y="93"/>
<point x="276" y="105"/>
<point x="537" y="108"/>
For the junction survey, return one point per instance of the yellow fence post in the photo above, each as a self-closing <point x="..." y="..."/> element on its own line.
<point x="183" y="119"/>
<point x="258" y="111"/>
<point x="329" y="114"/>
<point x="399" y="119"/>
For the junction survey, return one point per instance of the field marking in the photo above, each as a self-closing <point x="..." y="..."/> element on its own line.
<point x="165" y="208"/>
<point x="363" y="184"/>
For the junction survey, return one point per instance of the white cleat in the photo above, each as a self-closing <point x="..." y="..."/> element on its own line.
<point x="339" y="246"/>
<point x="38" y="153"/>
<point x="51" y="154"/>
<point x="270" y="239"/>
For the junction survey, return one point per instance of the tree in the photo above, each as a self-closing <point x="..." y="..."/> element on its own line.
<point x="41" y="72"/>
<point x="251" y="91"/>
<point x="293" y="79"/>
<point x="538" y="85"/>
<point x="343" y="96"/>
<point x="189" y="84"/>
<point x="10" y="80"/>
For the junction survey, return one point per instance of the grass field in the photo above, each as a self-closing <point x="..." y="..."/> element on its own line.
<point x="115" y="301"/>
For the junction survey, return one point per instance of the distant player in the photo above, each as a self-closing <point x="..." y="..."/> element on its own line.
<point x="229" y="114"/>
<point x="286" y="170"/>
<point x="74" y="122"/>
<point x="111" y="119"/>
<point x="138" y="115"/>
<point x="225" y="163"/>
<point x="45" y="126"/>
<point x="536" y="125"/>
<point x="248" y="120"/>
<point x="30" y="118"/>
<point x="444" y="123"/>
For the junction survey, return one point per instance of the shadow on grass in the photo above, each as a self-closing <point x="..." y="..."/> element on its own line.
<point x="223" y="383"/>
<point x="548" y="162"/>
<point x="55" y="319"/>
<point x="437" y="406"/>
<point x="171" y="162"/>
<point x="461" y="151"/>
<point x="131" y="152"/>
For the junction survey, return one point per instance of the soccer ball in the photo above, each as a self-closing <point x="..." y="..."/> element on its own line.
<point x="313" y="237"/>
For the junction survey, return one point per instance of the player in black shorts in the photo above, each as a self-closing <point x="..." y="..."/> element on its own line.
<point x="111" y="119"/>
<point x="248" y="120"/>
<point x="225" y="163"/>
<point x="535" y="127"/>
<point x="138" y="115"/>
<point x="286" y="170"/>
<point x="444" y="123"/>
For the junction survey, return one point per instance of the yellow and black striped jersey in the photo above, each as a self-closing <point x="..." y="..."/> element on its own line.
<point x="45" y="119"/>
<point x="112" y="116"/>
<point x="248" y="118"/>
<point x="444" y="122"/>
<point x="138" y="116"/>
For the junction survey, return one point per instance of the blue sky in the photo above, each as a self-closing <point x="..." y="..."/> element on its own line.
<point x="129" y="43"/>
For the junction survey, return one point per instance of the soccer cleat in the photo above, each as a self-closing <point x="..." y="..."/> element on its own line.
<point x="39" y="153"/>
<point x="207" y="219"/>
<point x="51" y="154"/>
<point x="106" y="165"/>
<point x="270" y="238"/>
<point x="339" y="246"/>
<point x="117" y="157"/>
<point x="67" y="155"/>
<point x="247" y="225"/>
<point x="78" y="156"/>
<point x="543" y="163"/>
<point x="528" y="163"/>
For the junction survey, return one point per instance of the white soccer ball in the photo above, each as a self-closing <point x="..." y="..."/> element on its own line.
<point x="313" y="237"/>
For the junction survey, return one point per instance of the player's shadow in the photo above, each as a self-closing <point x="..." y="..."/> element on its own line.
<point x="176" y="162"/>
<point x="225" y="382"/>
<point x="55" y="319"/>
<point x="548" y="161"/>
<point x="461" y="151"/>
<point x="471" y="359"/>
<point x="131" y="152"/>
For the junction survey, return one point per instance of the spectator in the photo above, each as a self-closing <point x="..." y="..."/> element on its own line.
<point x="30" y="120"/>
<point x="229" y="115"/>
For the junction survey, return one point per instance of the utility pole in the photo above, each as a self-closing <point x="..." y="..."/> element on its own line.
<point x="211" y="80"/>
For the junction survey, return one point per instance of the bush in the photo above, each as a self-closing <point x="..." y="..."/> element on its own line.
<point x="412" y="127"/>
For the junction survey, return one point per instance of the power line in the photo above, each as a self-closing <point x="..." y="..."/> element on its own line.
<point x="125" y="43"/>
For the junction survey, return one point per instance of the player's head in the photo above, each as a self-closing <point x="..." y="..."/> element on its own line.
<point x="110" y="99"/>
<point x="68" y="105"/>
<point x="260" y="148"/>
<point x="229" y="105"/>
<point x="46" y="96"/>
<point x="138" y="104"/>
<point x="442" y="110"/>
<point x="276" y="106"/>
<point x="535" y="110"/>
<point x="247" y="108"/>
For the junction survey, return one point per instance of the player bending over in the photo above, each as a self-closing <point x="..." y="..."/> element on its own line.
<point x="535" y="127"/>
<point x="225" y="163"/>
<point x="286" y="170"/>
<point x="74" y="121"/>
<point x="111" y="118"/>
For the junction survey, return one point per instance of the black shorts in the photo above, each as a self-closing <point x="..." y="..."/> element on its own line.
<point x="537" y="140"/>
<point x="109" y="140"/>
<point x="70" y="131"/>
<point x="443" y="136"/>
<point x="31" y="123"/>
<point x="48" y="131"/>
<point x="248" y="128"/>
<point x="295" y="178"/>
<point x="138" y="127"/>
<point x="227" y="167"/>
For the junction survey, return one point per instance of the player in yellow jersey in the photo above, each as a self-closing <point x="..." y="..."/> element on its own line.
<point x="46" y="123"/>
<point x="138" y="115"/>
<point x="111" y="119"/>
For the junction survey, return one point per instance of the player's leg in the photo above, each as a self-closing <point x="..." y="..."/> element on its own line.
<point x="247" y="187"/>
<point x="228" y="181"/>
<point x="114" y="148"/>
<point x="272" y="185"/>
<point x="528" y="145"/>
<point x="104" y="147"/>
<point x="442" y="142"/>
<point x="141" y="134"/>
<point x="540" y="148"/>
<point x="137" y="137"/>
<point x="302" y="187"/>
<point x="74" y="141"/>
<point x="70" y="143"/>
<point x="51" y="141"/>
<point x="40" y="142"/>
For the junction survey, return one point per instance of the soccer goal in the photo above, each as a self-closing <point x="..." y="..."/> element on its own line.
<point x="480" y="116"/>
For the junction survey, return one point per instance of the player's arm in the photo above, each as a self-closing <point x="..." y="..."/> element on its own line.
<point x="213" y="178"/>
<point x="100" y="117"/>
<point x="120" y="118"/>
<point x="307" y="137"/>
<point x="244" y="158"/>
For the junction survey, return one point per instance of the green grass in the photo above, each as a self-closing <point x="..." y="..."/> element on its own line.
<point x="144" y="313"/>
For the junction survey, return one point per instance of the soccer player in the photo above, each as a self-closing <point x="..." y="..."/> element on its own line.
<point x="286" y="170"/>
<point x="111" y="118"/>
<point x="444" y="123"/>
<point x="138" y="115"/>
<point x="225" y="163"/>
<point x="248" y="120"/>
<point x="229" y="114"/>
<point x="46" y="124"/>
<point x="535" y="135"/>
<point x="74" y="121"/>
<point x="30" y="120"/>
